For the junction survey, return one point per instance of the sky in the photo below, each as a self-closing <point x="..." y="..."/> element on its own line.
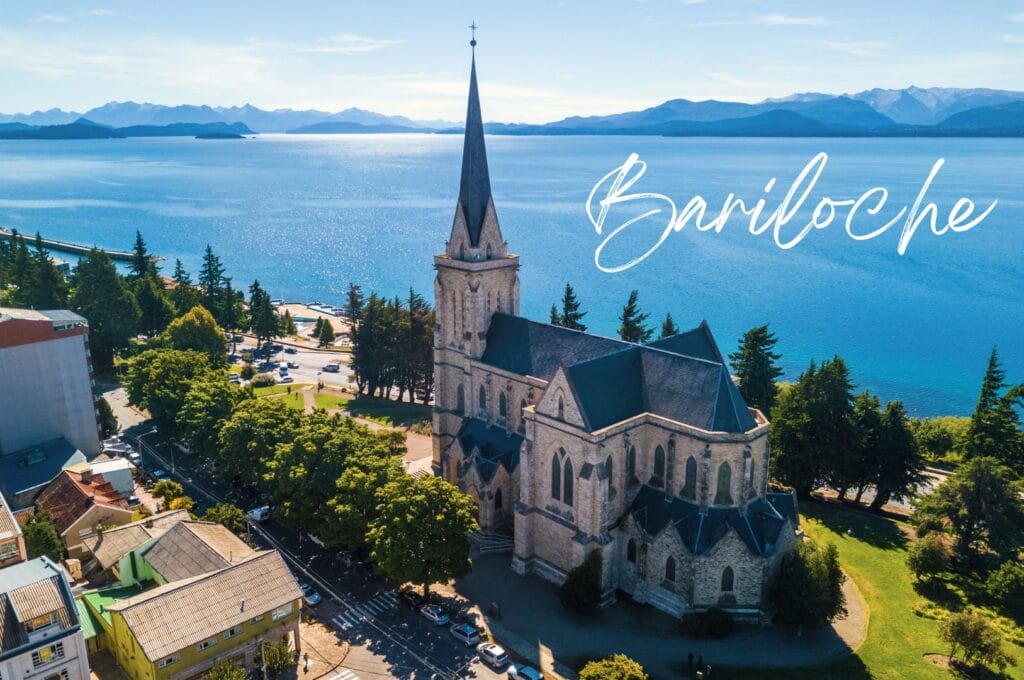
<point x="538" y="60"/>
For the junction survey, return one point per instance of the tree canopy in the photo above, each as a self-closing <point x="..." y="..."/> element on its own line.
<point x="159" y="379"/>
<point x="632" y="322"/>
<point x="249" y="438"/>
<point x="41" y="537"/>
<point x="570" y="316"/>
<point x="197" y="330"/>
<point x="755" y="364"/>
<point x="807" y="590"/>
<point x="994" y="426"/>
<point x="103" y="299"/>
<point x="615" y="667"/>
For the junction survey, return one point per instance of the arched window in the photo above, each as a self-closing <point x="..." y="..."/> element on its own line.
<point x="631" y="551"/>
<point x="631" y="464"/>
<point x="690" y="478"/>
<point x="567" y="480"/>
<point x="503" y="405"/>
<point x="670" y="569"/>
<point x="670" y="466"/>
<point x="608" y="470"/>
<point x="659" y="467"/>
<point x="724" y="495"/>
<point x="497" y="499"/>
<point x="460" y="399"/>
<point x="556" y="478"/>
<point x="483" y="401"/>
<point x="522" y="416"/>
<point x="488" y="251"/>
<point x="727" y="580"/>
<point x="561" y="408"/>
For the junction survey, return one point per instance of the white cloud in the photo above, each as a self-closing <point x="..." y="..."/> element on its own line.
<point x="786" y="20"/>
<point x="1019" y="18"/>
<point x="348" y="43"/>
<point x="100" y="12"/>
<point x="52" y="18"/>
<point x="857" y="48"/>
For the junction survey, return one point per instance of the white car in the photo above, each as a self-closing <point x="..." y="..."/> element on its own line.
<point x="493" y="655"/>
<point x="524" y="673"/>
<point x="465" y="633"/>
<point x="286" y="379"/>
<point x="435" y="614"/>
<point x="331" y="368"/>
<point x="259" y="514"/>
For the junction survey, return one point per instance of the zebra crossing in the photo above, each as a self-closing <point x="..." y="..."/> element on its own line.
<point x="345" y="674"/>
<point x="353" y="616"/>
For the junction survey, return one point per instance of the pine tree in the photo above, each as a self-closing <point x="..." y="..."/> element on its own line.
<point x="156" y="311"/>
<point x="288" y="324"/>
<point x="862" y="470"/>
<point x="754" y="364"/>
<point x="47" y="288"/>
<point x="142" y="263"/>
<point x="994" y="424"/>
<point x="571" y="316"/>
<point x="556" y="318"/>
<point x="183" y="296"/>
<point x="669" y="327"/>
<point x="102" y="298"/>
<point x="211" y="280"/>
<point x="632" y="328"/>
<point x="262" y="318"/>
<point x="899" y="462"/>
<point x="326" y="336"/>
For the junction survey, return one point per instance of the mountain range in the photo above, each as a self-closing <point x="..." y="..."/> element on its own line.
<point x="912" y="111"/>
<point x="83" y="128"/>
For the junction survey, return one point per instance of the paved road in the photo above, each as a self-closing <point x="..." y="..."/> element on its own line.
<point x="387" y="638"/>
<point x="311" y="363"/>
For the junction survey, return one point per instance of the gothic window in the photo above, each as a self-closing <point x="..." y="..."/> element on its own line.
<point x="567" y="481"/>
<point x="727" y="580"/>
<point x="670" y="465"/>
<point x="670" y="569"/>
<point x="503" y="405"/>
<point x="631" y="551"/>
<point x="522" y="416"/>
<point x="608" y="470"/>
<point x="497" y="499"/>
<point x="659" y="467"/>
<point x="488" y="251"/>
<point x="690" y="478"/>
<point x="561" y="408"/>
<point x="483" y="401"/>
<point x="724" y="495"/>
<point x="460" y="399"/>
<point x="556" y="478"/>
<point x="631" y="464"/>
<point x="499" y="301"/>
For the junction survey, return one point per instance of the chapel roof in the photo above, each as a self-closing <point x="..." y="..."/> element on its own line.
<point x="494" y="447"/>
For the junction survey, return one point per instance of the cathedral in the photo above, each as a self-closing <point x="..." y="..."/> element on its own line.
<point x="573" y="442"/>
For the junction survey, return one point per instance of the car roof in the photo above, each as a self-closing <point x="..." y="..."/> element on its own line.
<point x="464" y="626"/>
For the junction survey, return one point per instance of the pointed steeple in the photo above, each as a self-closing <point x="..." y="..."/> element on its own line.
<point x="475" y="187"/>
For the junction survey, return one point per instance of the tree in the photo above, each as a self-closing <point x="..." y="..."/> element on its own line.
<point x="184" y="296"/>
<point x="326" y="338"/>
<point x="211" y="280"/>
<point x="570" y="316"/>
<point x="230" y="516"/>
<point x="367" y="471"/>
<point x="976" y="639"/>
<point x="197" y="330"/>
<point x="167" y="490"/>
<point x="940" y="438"/>
<point x="262" y="317"/>
<point x="1006" y="586"/>
<point x="226" y="670"/>
<point x="755" y="365"/>
<point x="900" y="466"/>
<point x="669" y="327"/>
<point x="159" y="379"/>
<point x="106" y="417"/>
<point x="421" y="532"/>
<point x="581" y="592"/>
<point x="632" y="328"/>
<point x="155" y="308"/>
<point x="100" y="296"/>
<point x="182" y="503"/>
<point x="207" y="405"/>
<point x="288" y="326"/>
<point x="807" y="590"/>
<point x="616" y="667"/>
<point x="556" y="318"/>
<point x="980" y="505"/>
<point x="46" y="288"/>
<point x="928" y="557"/>
<point x="994" y="424"/>
<point x="277" y="657"/>
<point x="249" y="438"/>
<point x="861" y="470"/>
<point x="41" y="537"/>
<point x="142" y="264"/>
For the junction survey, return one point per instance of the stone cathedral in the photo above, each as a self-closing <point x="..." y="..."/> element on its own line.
<point x="574" y="442"/>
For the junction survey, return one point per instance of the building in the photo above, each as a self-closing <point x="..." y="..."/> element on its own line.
<point x="40" y="630"/>
<point x="12" y="543"/>
<point x="188" y="596"/>
<point x="80" y="503"/>
<point x="576" y="442"/>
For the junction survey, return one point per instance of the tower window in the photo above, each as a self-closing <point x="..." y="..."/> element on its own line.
<point x="503" y="405"/>
<point x="631" y="464"/>
<point x="631" y="551"/>
<point x="659" y="467"/>
<point x="724" y="494"/>
<point x="497" y="499"/>
<point x="483" y="402"/>
<point x="556" y="478"/>
<point x="690" y="478"/>
<point x="561" y="408"/>
<point x="567" y="481"/>
<point x="727" y="580"/>
<point x="460" y="399"/>
<point x="670" y="569"/>
<point x="608" y="470"/>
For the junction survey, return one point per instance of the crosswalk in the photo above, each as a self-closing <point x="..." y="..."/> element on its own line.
<point x="345" y="674"/>
<point x="353" y="616"/>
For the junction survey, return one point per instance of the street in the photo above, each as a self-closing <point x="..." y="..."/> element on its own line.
<point x="311" y="362"/>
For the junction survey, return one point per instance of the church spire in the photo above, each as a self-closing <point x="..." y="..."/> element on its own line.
<point x="475" y="187"/>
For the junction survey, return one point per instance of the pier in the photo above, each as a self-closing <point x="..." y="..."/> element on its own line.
<point x="66" y="247"/>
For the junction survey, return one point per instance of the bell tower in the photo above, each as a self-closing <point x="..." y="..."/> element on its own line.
<point x="476" y="277"/>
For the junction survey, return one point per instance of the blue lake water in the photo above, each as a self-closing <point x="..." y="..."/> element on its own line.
<point x="307" y="214"/>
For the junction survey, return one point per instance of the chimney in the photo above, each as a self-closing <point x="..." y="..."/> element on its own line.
<point x="243" y="605"/>
<point x="87" y="476"/>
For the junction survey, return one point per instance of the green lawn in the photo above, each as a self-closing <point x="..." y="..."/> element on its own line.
<point x="277" y="389"/>
<point x="872" y="552"/>
<point x="387" y="412"/>
<point x="325" y="400"/>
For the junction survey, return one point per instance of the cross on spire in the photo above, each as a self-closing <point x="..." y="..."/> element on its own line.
<point x="473" y="27"/>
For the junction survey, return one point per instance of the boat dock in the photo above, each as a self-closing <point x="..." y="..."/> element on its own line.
<point x="66" y="247"/>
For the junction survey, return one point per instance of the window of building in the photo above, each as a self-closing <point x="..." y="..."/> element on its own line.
<point x="670" y="569"/>
<point x="631" y="551"/>
<point x="690" y="478"/>
<point x="727" y="580"/>
<point x="483" y="401"/>
<point x="8" y="550"/>
<point x="45" y="655"/>
<point x="522" y="416"/>
<point x="40" y="622"/>
<point x="659" y="467"/>
<point x="281" y="612"/>
<point x="61" y="675"/>
<point x="724" y="495"/>
<point x="228" y="634"/>
<point x="164" y="663"/>
<point x="631" y="463"/>
<point x="561" y="408"/>
<point x="460" y="399"/>
<point x="497" y="499"/>
<point x="608" y="471"/>
<point x="256" y="619"/>
<point x="556" y="478"/>
<point x="503" y="405"/>
<point x="567" y="481"/>
<point x="206" y="644"/>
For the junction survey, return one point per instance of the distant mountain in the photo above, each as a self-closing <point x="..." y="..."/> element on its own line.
<point x="185" y="130"/>
<point x="1007" y="119"/>
<point x="927" y="106"/>
<point x="83" y="128"/>
<point x="37" y="118"/>
<point x="344" y="127"/>
<point x="80" y="129"/>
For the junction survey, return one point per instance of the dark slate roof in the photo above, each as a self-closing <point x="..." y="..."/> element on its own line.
<point x="532" y="348"/>
<point x="693" y="343"/>
<point x="32" y="467"/>
<point x="697" y="392"/>
<point x="475" y="187"/>
<point x="496" y="447"/>
<point x="758" y="528"/>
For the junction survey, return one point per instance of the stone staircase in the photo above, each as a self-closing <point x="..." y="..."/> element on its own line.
<point x="489" y="542"/>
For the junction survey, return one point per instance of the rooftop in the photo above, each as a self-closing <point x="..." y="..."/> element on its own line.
<point x="60" y="318"/>
<point x="31" y="589"/>
<point x="111" y="545"/>
<point x="8" y="525"/>
<point x="191" y="548"/>
<point x="73" y="492"/>
<point x="35" y="466"/>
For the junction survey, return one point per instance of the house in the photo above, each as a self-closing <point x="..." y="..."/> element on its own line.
<point x="12" y="543"/>
<point x="40" y="630"/>
<point x="112" y="549"/>
<point x="81" y="502"/>
<point x="118" y="471"/>
<point x="575" y="443"/>
<point x="25" y="473"/>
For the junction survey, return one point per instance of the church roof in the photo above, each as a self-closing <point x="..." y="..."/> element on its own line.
<point x="758" y="527"/>
<point x="697" y="343"/>
<point x="475" y="186"/>
<point x="495" y="445"/>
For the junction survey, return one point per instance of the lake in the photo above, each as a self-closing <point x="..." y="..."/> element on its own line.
<point x="308" y="214"/>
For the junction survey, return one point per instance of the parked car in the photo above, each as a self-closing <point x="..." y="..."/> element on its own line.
<point x="410" y="598"/>
<point x="286" y="379"/>
<point x="331" y="368"/>
<point x="282" y="369"/>
<point x="238" y="338"/>
<point x="292" y="364"/>
<point x="259" y="514"/>
<point x="276" y="347"/>
<point x="309" y="596"/>
<point x="234" y="378"/>
<point x="135" y="459"/>
<point x="493" y="655"/>
<point x="290" y="350"/>
<point x="435" y="614"/>
<point x="133" y="501"/>
<point x="465" y="633"/>
<point x="524" y="673"/>
<point x="158" y="474"/>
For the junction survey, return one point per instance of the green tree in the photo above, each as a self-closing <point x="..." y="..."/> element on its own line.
<point x="1006" y="586"/>
<point x="231" y="309"/>
<point x="277" y="657"/>
<point x="230" y="516"/>
<point x="197" y="330"/>
<point x="928" y="557"/>
<point x="994" y="424"/>
<point x="249" y="438"/>
<point x="262" y="317"/>
<point x="581" y="592"/>
<point x="207" y="405"/>
<point x="900" y="468"/>
<point x="102" y="298"/>
<point x="980" y="505"/>
<point x="155" y="308"/>
<point x="861" y="469"/>
<point x="755" y="364"/>
<point x="975" y="639"/>
<point x="367" y="471"/>
<point x="184" y="295"/>
<point x="942" y="438"/>
<point x="142" y="264"/>
<point x="669" y="327"/>
<point x="226" y="670"/>
<point x="106" y="417"/>
<point x="556" y="318"/>
<point x="421" y="532"/>
<point x="211" y="281"/>
<point x="616" y="667"/>
<point x="167" y="490"/>
<point x="41" y="537"/>
<point x="46" y="288"/>
<point x="288" y="326"/>
<point x="182" y="503"/>
<point x="159" y="379"/>
<point x="633" y="326"/>
<point x="570" y="316"/>
<point x="807" y="590"/>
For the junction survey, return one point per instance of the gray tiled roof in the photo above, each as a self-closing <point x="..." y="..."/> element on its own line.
<point x="475" y="186"/>
<point x="31" y="589"/>
<point x="110" y="545"/>
<point x="697" y="343"/>
<point x="758" y="527"/>
<point x="32" y="467"/>
<point x="496" y="447"/>
<point x="9" y="527"/>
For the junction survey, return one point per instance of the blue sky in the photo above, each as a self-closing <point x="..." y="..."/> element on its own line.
<point x="538" y="60"/>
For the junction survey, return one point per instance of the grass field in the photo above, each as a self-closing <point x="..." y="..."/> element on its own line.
<point x="872" y="551"/>
<point x="325" y="401"/>
<point x="277" y="389"/>
<point x="387" y="412"/>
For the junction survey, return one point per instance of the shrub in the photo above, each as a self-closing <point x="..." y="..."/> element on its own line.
<point x="708" y="625"/>
<point x="928" y="556"/>
<point x="263" y="380"/>
<point x="1006" y="584"/>
<point x="617" y="667"/>
<point x="247" y="371"/>
<point x="975" y="639"/>
<point x="581" y="592"/>
<point x="807" y="590"/>
<point x="278" y="657"/>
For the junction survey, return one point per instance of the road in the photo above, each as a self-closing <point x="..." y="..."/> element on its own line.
<point x="387" y="639"/>
<point x="311" y="362"/>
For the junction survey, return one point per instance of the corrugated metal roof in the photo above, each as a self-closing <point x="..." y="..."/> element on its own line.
<point x="192" y="548"/>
